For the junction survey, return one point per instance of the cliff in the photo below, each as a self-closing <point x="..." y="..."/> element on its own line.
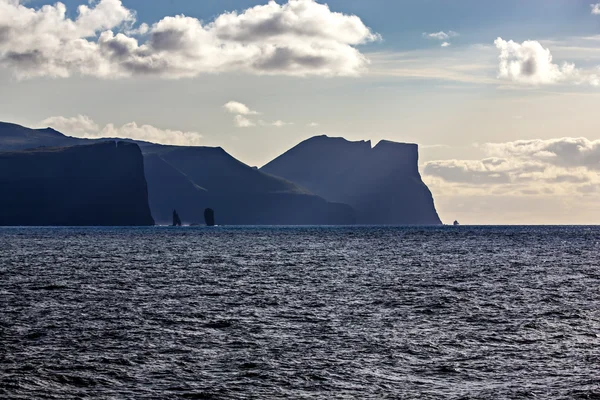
<point x="192" y="179"/>
<point x="100" y="184"/>
<point x="382" y="183"/>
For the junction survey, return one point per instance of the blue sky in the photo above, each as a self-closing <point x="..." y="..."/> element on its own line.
<point x="507" y="129"/>
<point x="401" y="22"/>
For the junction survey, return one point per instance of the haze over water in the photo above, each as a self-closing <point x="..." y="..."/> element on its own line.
<point x="361" y="312"/>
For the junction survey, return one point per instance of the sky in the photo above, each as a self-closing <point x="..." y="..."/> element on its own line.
<point x="502" y="97"/>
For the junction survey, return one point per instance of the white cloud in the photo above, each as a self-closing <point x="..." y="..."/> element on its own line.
<point x="441" y="35"/>
<point x="242" y="119"/>
<point x="595" y="8"/>
<point x="242" y="122"/>
<point x="562" y="166"/>
<point x="84" y="127"/>
<point x="235" y="107"/>
<point x="298" y="38"/>
<point x="313" y="124"/>
<point x="276" y="124"/>
<point x="445" y="44"/>
<point x="529" y="62"/>
<point x="79" y="126"/>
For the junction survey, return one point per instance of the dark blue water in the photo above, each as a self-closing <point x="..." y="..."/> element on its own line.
<point x="241" y="313"/>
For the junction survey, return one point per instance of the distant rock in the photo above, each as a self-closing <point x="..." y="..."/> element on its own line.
<point x="382" y="183"/>
<point x="101" y="184"/>
<point x="456" y="223"/>
<point x="176" y="219"/>
<point x="209" y="217"/>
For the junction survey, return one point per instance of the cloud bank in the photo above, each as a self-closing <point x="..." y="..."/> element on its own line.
<point x="562" y="165"/>
<point x="298" y="38"/>
<point x="84" y="127"/>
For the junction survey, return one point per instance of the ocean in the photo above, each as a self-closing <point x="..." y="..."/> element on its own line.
<point x="300" y="312"/>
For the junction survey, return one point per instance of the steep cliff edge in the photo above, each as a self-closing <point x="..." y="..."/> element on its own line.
<point x="101" y="184"/>
<point x="382" y="183"/>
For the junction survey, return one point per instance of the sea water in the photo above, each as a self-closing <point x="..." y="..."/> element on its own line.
<point x="300" y="312"/>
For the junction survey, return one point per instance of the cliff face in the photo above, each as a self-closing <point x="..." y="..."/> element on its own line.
<point x="192" y="179"/>
<point x="100" y="184"/>
<point x="382" y="184"/>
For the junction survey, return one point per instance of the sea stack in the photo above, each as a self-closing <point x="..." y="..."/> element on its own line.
<point x="176" y="219"/>
<point x="209" y="217"/>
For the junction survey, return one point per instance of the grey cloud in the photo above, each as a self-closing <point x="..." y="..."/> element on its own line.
<point x="284" y="59"/>
<point x="569" y="179"/>
<point x="5" y="34"/>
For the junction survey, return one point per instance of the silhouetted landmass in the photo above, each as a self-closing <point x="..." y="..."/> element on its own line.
<point x="100" y="184"/>
<point x="16" y="137"/>
<point x="191" y="179"/>
<point x="176" y="219"/>
<point x="209" y="217"/>
<point x="382" y="184"/>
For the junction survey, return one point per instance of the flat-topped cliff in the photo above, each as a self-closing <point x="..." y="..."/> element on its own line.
<point x="101" y="184"/>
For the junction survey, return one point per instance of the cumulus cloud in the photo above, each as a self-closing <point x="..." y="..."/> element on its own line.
<point x="235" y="107"/>
<point x="242" y="122"/>
<point x="446" y="44"/>
<point x="79" y="126"/>
<point x="242" y="118"/>
<point x="84" y="127"/>
<point x="298" y="38"/>
<point x="595" y="8"/>
<point x="529" y="62"/>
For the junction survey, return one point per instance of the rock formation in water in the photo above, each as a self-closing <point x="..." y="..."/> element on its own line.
<point x="209" y="217"/>
<point x="382" y="183"/>
<point x="176" y="219"/>
<point x="100" y="184"/>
